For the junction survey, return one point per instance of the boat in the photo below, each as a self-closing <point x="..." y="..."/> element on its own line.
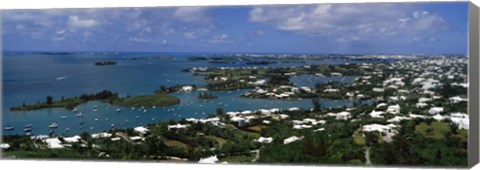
<point x="79" y="115"/>
<point x="63" y="117"/>
<point x="28" y="126"/>
<point x="9" y="128"/>
<point x="28" y="134"/>
<point x="27" y="129"/>
<point x="118" y="110"/>
<point x="53" y="125"/>
<point x="112" y="125"/>
<point x="95" y="110"/>
<point x="67" y="129"/>
<point x="74" y="110"/>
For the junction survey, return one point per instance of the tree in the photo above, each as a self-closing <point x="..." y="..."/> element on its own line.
<point x="219" y="112"/>
<point x="317" y="105"/>
<point x="49" y="99"/>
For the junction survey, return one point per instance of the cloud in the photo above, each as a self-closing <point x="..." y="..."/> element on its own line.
<point x="220" y="39"/>
<point x="192" y="14"/>
<point x="75" y="22"/>
<point x="351" y="22"/>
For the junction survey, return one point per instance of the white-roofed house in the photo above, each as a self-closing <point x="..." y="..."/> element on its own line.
<point x="435" y="110"/>
<point x="265" y="140"/>
<point x="142" y="130"/>
<point x="291" y="139"/>
<point x="393" y="109"/>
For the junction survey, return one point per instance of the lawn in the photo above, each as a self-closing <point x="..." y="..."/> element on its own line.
<point x="220" y="141"/>
<point x="257" y="128"/>
<point x="436" y="130"/>
<point x="176" y="143"/>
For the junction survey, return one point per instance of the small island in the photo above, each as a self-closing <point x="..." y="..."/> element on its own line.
<point x="206" y="96"/>
<point x="104" y="63"/>
<point x="157" y="99"/>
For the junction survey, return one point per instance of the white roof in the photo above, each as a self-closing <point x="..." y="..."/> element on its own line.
<point x="53" y="143"/>
<point x="291" y="139"/>
<point x="135" y="138"/>
<point x="4" y="146"/>
<point x="72" y="139"/>
<point x="376" y="114"/>
<point x="265" y="140"/>
<point x="435" y="110"/>
<point x="209" y="160"/>
<point x="381" y="105"/>
<point x="140" y="129"/>
<point x="101" y="135"/>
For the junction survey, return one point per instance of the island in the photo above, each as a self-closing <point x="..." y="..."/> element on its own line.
<point x="157" y="99"/>
<point x="104" y="63"/>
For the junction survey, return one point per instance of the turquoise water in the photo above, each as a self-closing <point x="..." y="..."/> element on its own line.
<point x="31" y="77"/>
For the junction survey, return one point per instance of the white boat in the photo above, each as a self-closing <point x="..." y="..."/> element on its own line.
<point x="79" y="115"/>
<point x="28" y="126"/>
<point x="9" y="128"/>
<point x="67" y="129"/>
<point x="53" y="125"/>
<point x="118" y="110"/>
<point x="63" y="117"/>
<point x="74" y="110"/>
<point x="27" y="129"/>
<point x="95" y="110"/>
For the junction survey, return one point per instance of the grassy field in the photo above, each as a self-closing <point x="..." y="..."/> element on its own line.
<point x="240" y="133"/>
<point x="220" y="141"/>
<point x="436" y="130"/>
<point x="176" y="143"/>
<point x="162" y="99"/>
<point x="257" y="128"/>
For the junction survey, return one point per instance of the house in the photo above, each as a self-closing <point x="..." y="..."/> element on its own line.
<point x="53" y="143"/>
<point x="457" y="99"/>
<point x="177" y="126"/>
<point x="4" y="146"/>
<point x="291" y="139"/>
<point x="393" y="109"/>
<point x="343" y="115"/>
<point x="376" y="114"/>
<point x="209" y="160"/>
<point x="421" y="105"/>
<point x="397" y="119"/>
<point x="73" y="139"/>
<point x="142" y="130"/>
<point x="381" y="105"/>
<point x="330" y="90"/>
<point x="378" y="90"/>
<point x="460" y="119"/>
<point x="135" y="138"/>
<point x="382" y="129"/>
<point x="187" y="88"/>
<point x="265" y="140"/>
<point x="101" y="135"/>
<point x="435" y="110"/>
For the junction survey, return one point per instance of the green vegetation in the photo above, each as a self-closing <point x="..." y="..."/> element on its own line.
<point x="158" y="99"/>
<point x="436" y="130"/>
<point x="161" y="99"/>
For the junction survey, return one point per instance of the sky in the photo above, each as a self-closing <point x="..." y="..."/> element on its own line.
<point x="365" y="28"/>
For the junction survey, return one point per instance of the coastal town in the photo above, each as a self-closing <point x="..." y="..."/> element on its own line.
<point x="404" y="108"/>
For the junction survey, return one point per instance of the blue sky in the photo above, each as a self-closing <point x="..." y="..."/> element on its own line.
<point x="319" y="28"/>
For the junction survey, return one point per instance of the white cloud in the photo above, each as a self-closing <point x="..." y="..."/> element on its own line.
<point x="192" y="14"/>
<point x="75" y="22"/>
<point x="350" y="22"/>
<point x="220" y="39"/>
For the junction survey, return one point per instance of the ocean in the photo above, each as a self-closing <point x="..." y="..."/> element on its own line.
<point x="30" y="77"/>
